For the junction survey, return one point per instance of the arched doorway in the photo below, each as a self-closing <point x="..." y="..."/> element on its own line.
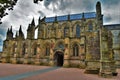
<point x="58" y="58"/>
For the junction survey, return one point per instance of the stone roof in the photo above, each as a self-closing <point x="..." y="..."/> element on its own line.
<point x="72" y="17"/>
<point x="112" y="26"/>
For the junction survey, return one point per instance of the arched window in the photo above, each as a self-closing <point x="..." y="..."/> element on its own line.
<point x="90" y="27"/>
<point x="47" y="50"/>
<point x="35" y="50"/>
<point x="14" y="47"/>
<point x="75" y="50"/>
<point x="61" y="45"/>
<point x="23" y="49"/>
<point x="77" y="31"/>
<point x="66" y="32"/>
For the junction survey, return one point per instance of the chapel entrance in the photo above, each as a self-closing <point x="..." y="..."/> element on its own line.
<point x="58" y="58"/>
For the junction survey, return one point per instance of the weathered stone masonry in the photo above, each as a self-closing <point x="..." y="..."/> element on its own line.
<point x="76" y="40"/>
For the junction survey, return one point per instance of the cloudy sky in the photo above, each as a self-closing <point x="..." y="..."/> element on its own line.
<point x="25" y="10"/>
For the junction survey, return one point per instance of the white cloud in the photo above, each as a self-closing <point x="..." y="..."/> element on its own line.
<point x="25" y="10"/>
<point x="22" y="14"/>
<point x="112" y="13"/>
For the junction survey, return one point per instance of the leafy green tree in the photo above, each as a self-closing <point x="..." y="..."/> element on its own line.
<point x="4" y="5"/>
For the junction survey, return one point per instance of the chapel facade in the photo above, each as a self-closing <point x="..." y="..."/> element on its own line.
<point x="74" y="40"/>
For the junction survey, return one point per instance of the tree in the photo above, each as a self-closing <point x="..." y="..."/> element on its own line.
<point x="6" y="5"/>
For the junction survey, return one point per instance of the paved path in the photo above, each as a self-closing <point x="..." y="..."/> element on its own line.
<point x="28" y="74"/>
<point x="32" y="72"/>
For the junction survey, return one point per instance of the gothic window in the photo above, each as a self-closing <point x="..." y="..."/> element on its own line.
<point x="14" y="47"/>
<point x="90" y="27"/>
<point x="23" y="50"/>
<point x="75" y="50"/>
<point x="60" y="45"/>
<point x="47" y="50"/>
<point x="35" y="50"/>
<point x="77" y="31"/>
<point x="65" y="32"/>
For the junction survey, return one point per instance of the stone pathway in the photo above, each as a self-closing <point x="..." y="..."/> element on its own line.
<point x="33" y="72"/>
<point x="28" y="74"/>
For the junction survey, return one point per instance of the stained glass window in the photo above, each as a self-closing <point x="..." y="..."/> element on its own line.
<point x="90" y="27"/>
<point x="77" y="31"/>
<point x="61" y="46"/>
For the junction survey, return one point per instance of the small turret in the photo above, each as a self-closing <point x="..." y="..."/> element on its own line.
<point x="98" y="8"/>
<point x="83" y="16"/>
<point x="33" y="22"/>
<point x="8" y="31"/>
<point x="55" y="18"/>
<point x="11" y="29"/>
<point x="20" y="29"/>
<point x="31" y="30"/>
<point x="21" y="35"/>
<point x="43" y="19"/>
<point x="9" y="34"/>
<point x="42" y="28"/>
<point x="68" y="17"/>
<point x="99" y="15"/>
<point x="29" y="26"/>
<point x="17" y="35"/>
<point x="28" y="31"/>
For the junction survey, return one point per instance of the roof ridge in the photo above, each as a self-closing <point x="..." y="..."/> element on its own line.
<point x="71" y="14"/>
<point x="72" y="17"/>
